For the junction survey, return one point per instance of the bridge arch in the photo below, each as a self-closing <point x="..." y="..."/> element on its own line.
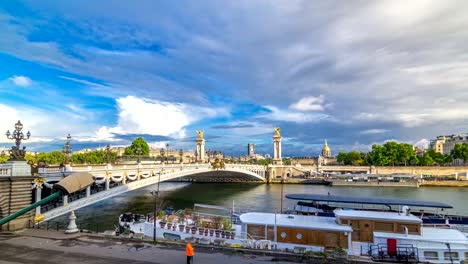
<point x="154" y="179"/>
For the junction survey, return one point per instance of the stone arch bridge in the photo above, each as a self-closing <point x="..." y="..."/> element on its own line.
<point x="119" y="179"/>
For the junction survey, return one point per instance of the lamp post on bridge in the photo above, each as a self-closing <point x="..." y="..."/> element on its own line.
<point x="138" y="152"/>
<point x="108" y="148"/>
<point x="156" y="199"/>
<point x="162" y="152"/>
<point x="67" y="149"/>
<point x="17" y="154"/>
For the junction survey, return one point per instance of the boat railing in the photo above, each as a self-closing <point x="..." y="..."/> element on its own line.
<point x="402" y="252"/>
<point x="461" y="228"/>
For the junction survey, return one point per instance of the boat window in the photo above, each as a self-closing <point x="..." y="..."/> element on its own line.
<point x="344" y="221"/>
<point x="383" y="226"/>
<point x="431" y="255"/>
<point x="283" y="234"/>
<point x="299" y="236"/>
<point x="448" y="254"/>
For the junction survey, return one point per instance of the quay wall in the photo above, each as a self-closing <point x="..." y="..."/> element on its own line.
<point x="435" y="171"/>
<point x="337" y="182"/>
<point x="444" y="184"/>
<point x="416" y="170"/>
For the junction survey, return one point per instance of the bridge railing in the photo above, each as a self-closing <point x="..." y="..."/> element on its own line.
<point x="5" y="170"/>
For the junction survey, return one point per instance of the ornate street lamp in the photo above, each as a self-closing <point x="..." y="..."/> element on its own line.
<point x="16" y="153"/>
<point x="67" y="149"/>
<point x="181" y="154"/>
<point x="108" y="148"/>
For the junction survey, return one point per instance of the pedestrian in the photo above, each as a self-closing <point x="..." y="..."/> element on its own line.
<point x="189" y="252"/>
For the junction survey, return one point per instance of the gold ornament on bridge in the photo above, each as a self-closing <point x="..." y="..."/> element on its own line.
<point x="38" y="182"/>
<point x="277" y="131"/>
<point x="218" y="164"/>
<point x="200" y="134"/>
<point x="38" y="218"/>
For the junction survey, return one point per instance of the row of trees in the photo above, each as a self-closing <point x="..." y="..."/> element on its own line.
<point x="401" y="154"/>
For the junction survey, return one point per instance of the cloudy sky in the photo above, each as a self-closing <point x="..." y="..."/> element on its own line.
<point x="353" y="72"/>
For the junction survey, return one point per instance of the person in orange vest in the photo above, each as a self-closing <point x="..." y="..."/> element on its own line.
<point x="189" y="252"/>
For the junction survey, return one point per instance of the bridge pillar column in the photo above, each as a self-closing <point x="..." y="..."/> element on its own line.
<point x="88" y="191"/>
<point x="107" y="184"/>
<point x="200" y="147"/>
<point x="277" y="160"/>
<point x="65" y="200"/>
<point x="38" y="198"/>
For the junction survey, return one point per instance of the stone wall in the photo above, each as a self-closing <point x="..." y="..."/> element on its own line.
<point x="433" y="170"/>
<point x="15" y="194"/>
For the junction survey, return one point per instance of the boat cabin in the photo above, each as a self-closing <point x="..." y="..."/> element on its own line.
<point x="314" y="232"/>
<point x="365" y="223"/>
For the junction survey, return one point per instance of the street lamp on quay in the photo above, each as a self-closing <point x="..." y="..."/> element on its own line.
<point x="155" y="211"/>
<point x="67" y="149"/>
<point x="108" y="148"/>
<point x="17" y="135"/>
<point x="162" y="152"/>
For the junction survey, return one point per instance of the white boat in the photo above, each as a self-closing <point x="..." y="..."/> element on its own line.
<point x="381" y="235"/>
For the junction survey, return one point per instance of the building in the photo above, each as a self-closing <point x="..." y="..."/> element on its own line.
<point x="325" y="158"/>
<point x="326" y="152"/>
<point x="250" y="150"/>
<point x="445" y="144"/>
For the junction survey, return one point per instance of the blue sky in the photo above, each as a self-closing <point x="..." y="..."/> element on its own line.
<point x="356" y="72"/>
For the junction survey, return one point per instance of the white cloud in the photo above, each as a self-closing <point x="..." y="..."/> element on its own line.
<point x="145" y="116"/>
<point x="292" y="116"/>
<point x="422" y="143"/>
<point x="310" y="103"/>
<point x="374" y="131"/>
<point x="22" y="81"/>
<point x="44" y="126"/>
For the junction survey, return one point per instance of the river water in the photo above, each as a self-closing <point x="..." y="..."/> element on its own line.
<point x="261" y="197"/>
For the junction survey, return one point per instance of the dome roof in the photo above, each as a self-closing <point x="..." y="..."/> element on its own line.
<point x="326" y="147"/>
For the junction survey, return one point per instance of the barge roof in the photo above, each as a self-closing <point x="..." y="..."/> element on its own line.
<point x="365" y="200"/>
<point x="373" y="215"/>
<point x="296" y="221"/>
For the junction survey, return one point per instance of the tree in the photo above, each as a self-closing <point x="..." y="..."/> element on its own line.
<point x="378" y="156"/>
<point x="405" y="153"/>
<point x="138" y="143"/>
<point x="460" y="151"/>
<point x="354" y="158"/>
<point x="342" y="157"/>
<point x="426" y="160"/>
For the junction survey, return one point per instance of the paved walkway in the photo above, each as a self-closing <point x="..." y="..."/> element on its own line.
<point x="33" y="247"/>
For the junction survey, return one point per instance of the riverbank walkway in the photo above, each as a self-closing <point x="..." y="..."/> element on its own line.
<point x="36" y="246"/>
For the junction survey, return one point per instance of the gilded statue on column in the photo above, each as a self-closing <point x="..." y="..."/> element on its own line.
<point x="277" y="132"/>
<point x="200" y="134"/>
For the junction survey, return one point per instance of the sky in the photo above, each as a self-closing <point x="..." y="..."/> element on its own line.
<point x="356" y="73"/>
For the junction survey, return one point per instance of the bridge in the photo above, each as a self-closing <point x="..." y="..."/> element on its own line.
<point x="116" y="180"/>
<point x="111" y="180"/>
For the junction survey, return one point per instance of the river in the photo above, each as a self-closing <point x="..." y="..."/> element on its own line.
<point x="261" y="197"/>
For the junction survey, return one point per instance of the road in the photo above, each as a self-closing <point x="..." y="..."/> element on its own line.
<point x="90" y="250"/>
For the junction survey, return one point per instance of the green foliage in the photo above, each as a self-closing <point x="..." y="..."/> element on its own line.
<point x="264" y="162"/>
<point x="54" y="157"/>
<point x="4" y="159"/>
<point x="460" y="151"/>
<point x="227" y="225"/>
<point x="352" y="158"/>
<point x="93" y="157"/>
<point x="138" y="143"/>
<point x="392" y="153"/>
<point x="286" y="161"/>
